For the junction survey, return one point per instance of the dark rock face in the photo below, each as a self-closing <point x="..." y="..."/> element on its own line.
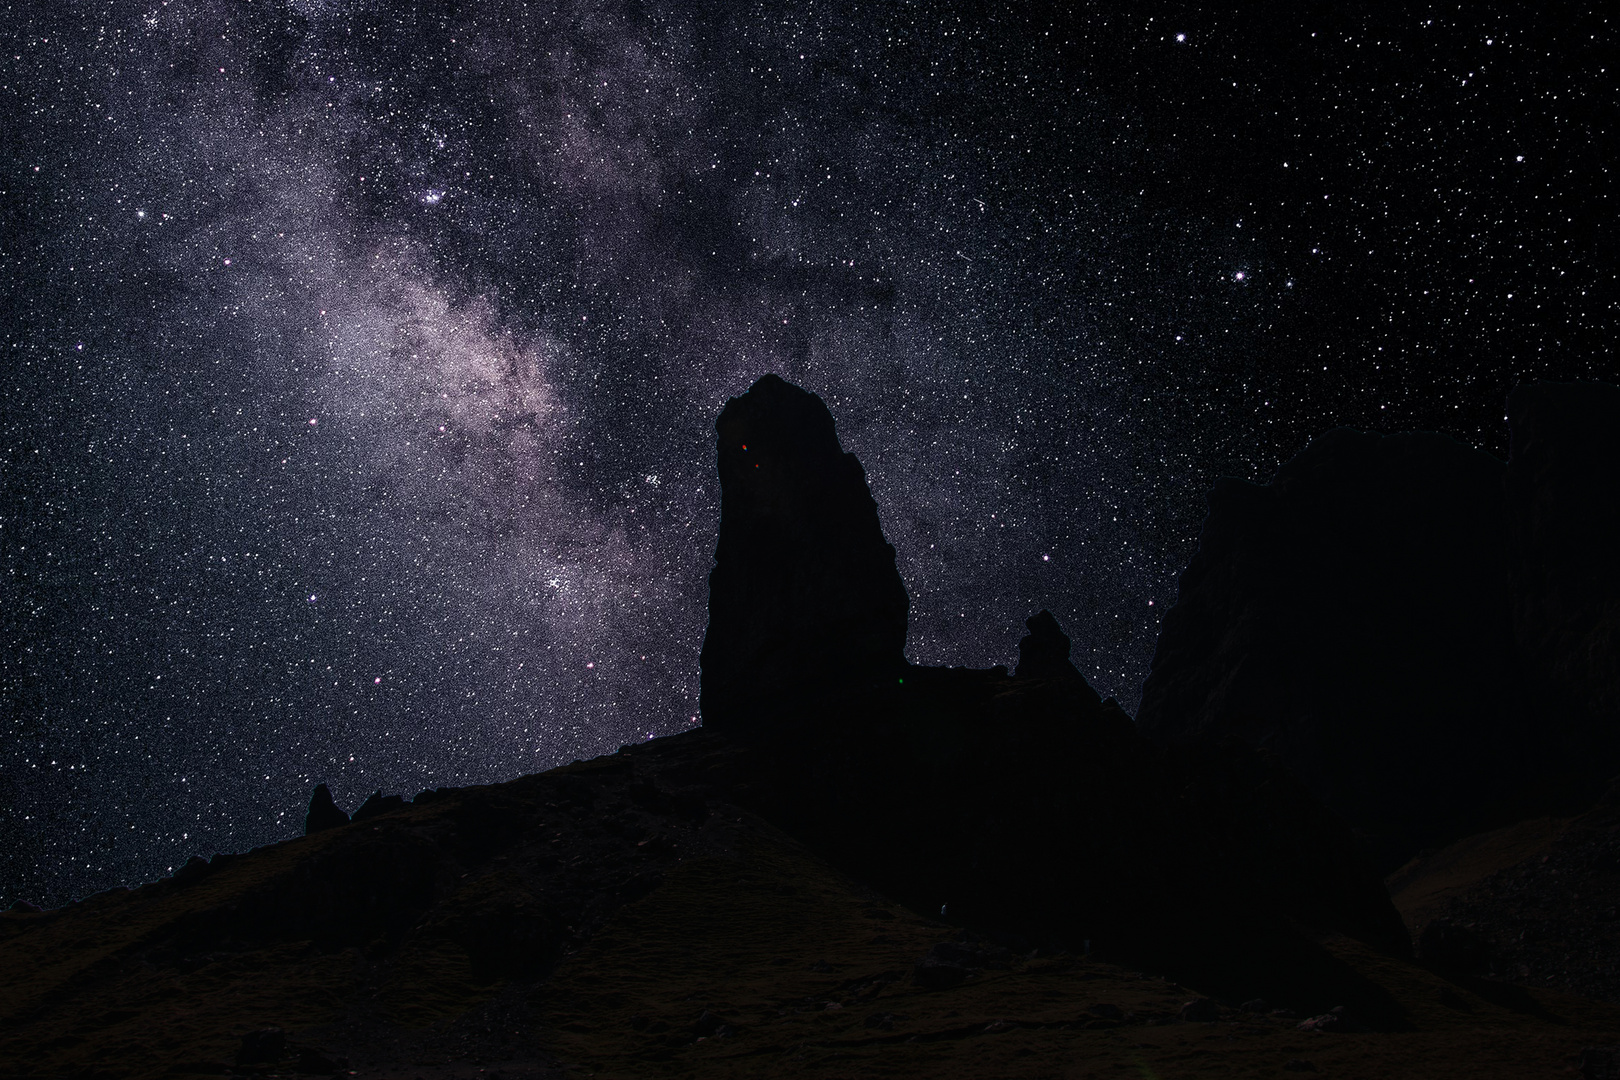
<point x="323" y="812"/>
<point x="1353" y="617"/>
<point x="1030" y="812"/>
<point x="804" y="596"/>
<point x="1563" y="495"/>
<point x="1426" y="637"/>
<point x="378" y="803"/>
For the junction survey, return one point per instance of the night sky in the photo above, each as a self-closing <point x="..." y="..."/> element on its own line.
<point x="361" y="360"/>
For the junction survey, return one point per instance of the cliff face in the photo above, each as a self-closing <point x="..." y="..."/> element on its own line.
<point x="804" y="597"/>
<point x="1389" y="615"/>
<point x="1563" y="502"/>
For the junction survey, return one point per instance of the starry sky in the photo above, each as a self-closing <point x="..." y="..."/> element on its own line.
<point x="361" y="359"/>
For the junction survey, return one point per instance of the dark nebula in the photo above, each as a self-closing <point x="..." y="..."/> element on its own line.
<point x="362" y="359"/>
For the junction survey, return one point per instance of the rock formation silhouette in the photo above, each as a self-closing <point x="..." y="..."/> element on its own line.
<point x="1367" y="617"/>
<point x="804" y="596"/>
<point x="378" y="803"/>
<point x="323" y="812"/>
<point x="1044" y="652"/>
<point x="1024" y="806"/>
<point x="1389" y="613"/>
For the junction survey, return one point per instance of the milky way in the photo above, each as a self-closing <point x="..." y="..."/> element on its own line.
<point x="362" y="360"/>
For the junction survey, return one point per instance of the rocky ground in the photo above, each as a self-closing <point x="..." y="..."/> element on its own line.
<point x="1537" y="905"/>
<point x="602" y="920"/>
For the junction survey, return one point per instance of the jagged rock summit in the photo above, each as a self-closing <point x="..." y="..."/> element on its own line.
<point x="804" y="597"/>
<point x="323" y="812"/>
<point x="1044" y="652"/>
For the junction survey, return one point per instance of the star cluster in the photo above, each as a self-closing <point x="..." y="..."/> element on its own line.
<point x="361" y="359"/>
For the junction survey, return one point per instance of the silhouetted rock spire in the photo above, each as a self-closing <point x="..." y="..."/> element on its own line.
<point x="804" y="597"/>
<point x="1044" y="653"/>
<point x="323" y="812"/>
<point x="378" y="803"/>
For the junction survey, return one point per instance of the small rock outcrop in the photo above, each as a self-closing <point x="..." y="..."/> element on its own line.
<point x="323" y="812"/>
<point x="1044" y="652"/>
<point x="378" y="803"/>
<point x="804" y="597"/>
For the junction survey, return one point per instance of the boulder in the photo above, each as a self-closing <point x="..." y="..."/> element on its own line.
<point x="932" y="973"/>
<point x="1201" y="1010"/>
<point x="1337" y="1019"/>
<point x="1454" y="947"/>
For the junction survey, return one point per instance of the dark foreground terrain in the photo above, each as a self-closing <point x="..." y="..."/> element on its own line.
<point x="607" y="919"/>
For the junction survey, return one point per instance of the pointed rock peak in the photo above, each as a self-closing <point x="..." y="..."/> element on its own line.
<point x="804" y="598"/>
<point x="378" y="803"/>
<point x="776" y="419"/>
<point x="1044" y="653"/>
<point x="323" y="812"/>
